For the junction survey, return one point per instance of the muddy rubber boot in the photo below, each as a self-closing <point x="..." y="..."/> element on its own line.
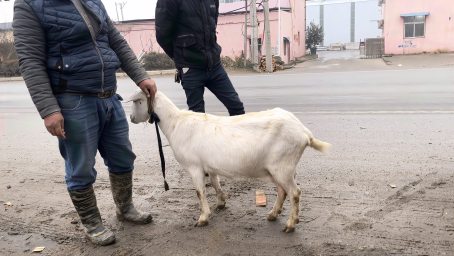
<point x="121" y="185"/>
<point x="85" y="203"/>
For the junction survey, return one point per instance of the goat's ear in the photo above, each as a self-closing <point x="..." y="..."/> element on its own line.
<point x="139" y="94"/>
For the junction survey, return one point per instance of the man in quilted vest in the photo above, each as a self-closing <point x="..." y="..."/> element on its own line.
<point x="69" y="51"/>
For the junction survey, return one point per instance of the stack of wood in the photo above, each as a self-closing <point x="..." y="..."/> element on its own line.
<point x="262" y="64"/>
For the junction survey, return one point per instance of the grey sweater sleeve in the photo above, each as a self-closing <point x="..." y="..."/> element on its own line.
<point x="128" y="59"/>
<point x="30" y="44"/>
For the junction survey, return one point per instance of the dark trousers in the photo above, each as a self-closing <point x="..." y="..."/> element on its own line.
<point x="217" y="81"/>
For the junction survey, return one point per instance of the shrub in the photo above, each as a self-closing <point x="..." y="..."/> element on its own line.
<point x="7" y="51"/>
<point x="9" y="64"/>
<point x="157" y="61"/>
<point x="314" y="36"/>
<point x="9" y="68"/>
<point x="237" y="62"/>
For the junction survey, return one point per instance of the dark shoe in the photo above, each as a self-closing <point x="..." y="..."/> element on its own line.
<point x="85" y="203"/>
<point x="121" y="185"/>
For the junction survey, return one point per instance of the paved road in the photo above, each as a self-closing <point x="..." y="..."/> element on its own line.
<point x="388" y="127"/>
<point x="414" y="90"/>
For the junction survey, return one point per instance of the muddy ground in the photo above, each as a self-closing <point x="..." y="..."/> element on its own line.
<point x="386" y="188"/>
<point x="348" y="207"/>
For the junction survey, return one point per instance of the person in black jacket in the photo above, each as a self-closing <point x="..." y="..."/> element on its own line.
<point x="186" y="31"/>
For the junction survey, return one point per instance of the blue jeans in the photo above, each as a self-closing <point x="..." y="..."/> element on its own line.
<point x="93" y="124"/>
<point x="217" y="81"/>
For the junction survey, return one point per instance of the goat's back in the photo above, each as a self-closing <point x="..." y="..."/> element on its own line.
<point x="239" y="145"/>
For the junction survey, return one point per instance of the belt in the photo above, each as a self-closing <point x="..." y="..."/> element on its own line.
<point x="101" y="95"/>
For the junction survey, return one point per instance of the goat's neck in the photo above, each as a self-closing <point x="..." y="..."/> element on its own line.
<point x="167" y="112"/>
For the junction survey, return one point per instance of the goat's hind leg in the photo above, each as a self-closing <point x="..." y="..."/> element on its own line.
<point x="277" y="208"/>
<point x="288" y="184"/>
<point x="219" y="193"/>
<point x="294" y="194"/>
<point x="198" y="176"/>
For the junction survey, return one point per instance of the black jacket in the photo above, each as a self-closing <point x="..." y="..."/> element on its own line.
<point x="186" y="30"/>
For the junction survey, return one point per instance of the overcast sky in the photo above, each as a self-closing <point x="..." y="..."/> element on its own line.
<point x="133" y="9"/>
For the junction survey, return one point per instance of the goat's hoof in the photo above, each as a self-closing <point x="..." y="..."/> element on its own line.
<point x="201" y="224"/>
<point x="221" y="206"/>
<point x="271" y="217"/>
<point x="288" y="229"/>
<point x="297" y="221"/>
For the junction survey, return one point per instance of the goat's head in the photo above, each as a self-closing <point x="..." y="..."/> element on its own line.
<point x="140" y="107"/>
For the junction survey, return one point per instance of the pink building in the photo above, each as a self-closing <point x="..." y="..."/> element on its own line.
<point x="418" y="26"/>
<point x="287" y="23"/>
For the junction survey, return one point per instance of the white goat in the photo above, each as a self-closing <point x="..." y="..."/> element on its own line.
<point x="266" y="145"/>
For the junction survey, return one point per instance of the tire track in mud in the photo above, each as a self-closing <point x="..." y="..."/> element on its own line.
<point x="414" y="220"/>
<point x="397" y="200"/>
<point x="44" y="224"/>
<point x="412" y="192"/>
<point x="426" y="200"/>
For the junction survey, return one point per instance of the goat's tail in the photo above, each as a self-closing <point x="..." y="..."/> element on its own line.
<point x="319" y="145"/>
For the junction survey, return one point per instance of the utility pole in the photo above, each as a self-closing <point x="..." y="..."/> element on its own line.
<point x="121" y="5"/>
<point x="116" y="9"/>
<point x="352" y="21"/>
<point x="279" y="37"/>
<point x="121" y="8"/>
<point x="322" y="16"/>
<point x="269" y="62"/>
<point x="254" y="35"/>
<point x="122" y="16"/>
<point x="245" y="33"/>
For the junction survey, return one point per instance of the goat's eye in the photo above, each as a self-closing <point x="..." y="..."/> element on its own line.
<point x="140" y="102"/>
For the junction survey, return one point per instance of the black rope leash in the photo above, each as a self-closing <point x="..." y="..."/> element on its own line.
<point x="155" y="119"/>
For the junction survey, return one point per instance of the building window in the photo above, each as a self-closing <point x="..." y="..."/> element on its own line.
<point x="414" y="26"/>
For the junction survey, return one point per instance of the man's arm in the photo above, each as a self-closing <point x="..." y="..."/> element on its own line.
<point x="128" y="59"/>
<point x="165" y="20"/>
<point x="129" y="62"/>
<point x="30" y="44"/>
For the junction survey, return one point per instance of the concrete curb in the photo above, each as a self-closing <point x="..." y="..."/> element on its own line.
<point x="161" y="72"/>
<point x="11" y="79"/>
<point x="153" y="73"/>
<point x="150" y="73"/>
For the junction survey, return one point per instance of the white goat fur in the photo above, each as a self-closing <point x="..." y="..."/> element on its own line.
<point x="266" y="145"/>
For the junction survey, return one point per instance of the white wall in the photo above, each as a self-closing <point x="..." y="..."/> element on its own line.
<point x="337" y="20"/>
<point x="132" y="10"/>
<point x="6" y="11"/>
<point x="337" y="23"/>
<point x="367" y="16"/>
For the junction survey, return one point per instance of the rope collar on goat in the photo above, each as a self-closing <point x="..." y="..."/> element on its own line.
<point x="155" y="119"/>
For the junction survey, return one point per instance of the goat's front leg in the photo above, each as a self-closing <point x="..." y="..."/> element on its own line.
<point x="198" y="176"/>
<point x="219" y="193"/>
